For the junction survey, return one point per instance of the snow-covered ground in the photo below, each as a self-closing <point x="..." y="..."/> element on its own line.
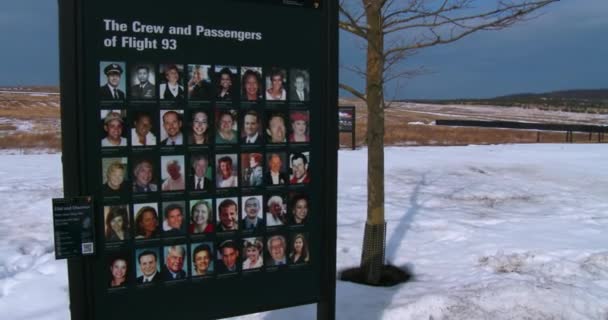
<point x="490" y="232"/>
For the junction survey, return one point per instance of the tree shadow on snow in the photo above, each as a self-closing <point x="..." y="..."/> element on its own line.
<point x="373" y="301"/>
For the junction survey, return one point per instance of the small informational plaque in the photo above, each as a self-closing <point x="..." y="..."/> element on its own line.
<point x="346" y="117"/>
<point x="73" y="227"/>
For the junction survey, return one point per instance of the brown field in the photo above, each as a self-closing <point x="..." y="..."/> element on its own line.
<point x="398" y="131"/>
<point x="39" y="108"/>
<point x="28" y="107"/>
<point x="34" y="107"/>
<point x="49" y="140"/>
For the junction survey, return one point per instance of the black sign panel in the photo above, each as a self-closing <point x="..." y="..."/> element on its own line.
<point x="201" y="130"/>
<point x="346" y="118"/>
<point x="73" y="227"/>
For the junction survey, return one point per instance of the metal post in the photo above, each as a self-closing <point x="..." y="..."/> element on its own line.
<point x="326" y="308"/>
<point x="71" y="97"/>
<point x="353" y="143"/>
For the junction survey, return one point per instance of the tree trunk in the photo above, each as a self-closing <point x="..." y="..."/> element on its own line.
<point x="372" y="258"/>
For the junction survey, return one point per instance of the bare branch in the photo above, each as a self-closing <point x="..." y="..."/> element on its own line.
<point x="459" y="27"/>
<point x="419" y="18"/>
<point x="353" y="91"/>
<point x="417" y="11"/>
<point x="355" y="69"/>
<point x="352" y="24"/>
<point x="404" y="74"/>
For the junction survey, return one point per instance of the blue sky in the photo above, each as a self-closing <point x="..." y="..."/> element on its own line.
<point x="565" y="48"/>
<point x="29" y="37"/>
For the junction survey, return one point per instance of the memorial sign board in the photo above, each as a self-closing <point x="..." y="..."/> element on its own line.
<point x="201" y="126"/>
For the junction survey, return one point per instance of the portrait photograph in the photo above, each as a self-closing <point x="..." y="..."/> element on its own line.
<point x="200" y="128"/>
<point x="276" y="169"/>
<point x="298" y="251"/>
<point x="299" y="80"/>
<point x="201" y="172"/>
<point x="142" y="82"/>
<point x="299" y="167"/>
<point x="276" y="84"/>
<point x="276" y="246"/>
<point x="276" y="127"/>
<point x="226" y="83"/>
<point x="201" y="216"/>
<point x="175" y="266"/>
<point x="299" y="125"/>
<point x="112" y="82"/>
<point x="252" y="169"/>
<point x="253" y="253"/>
<point x="171" y="127"/>
<point x="116" y="220"/>
<point x="146" y="221"/>
<point x="276" y="210"/>
<point x="144" y="128"/>
<point x="147" y="266"/>
<point x="252" y="213"/>
<point x="202" y="258"/>
<point x="118" y="269"/>
<point x="200" y="82"/>
<point x="171" y="82"/>
<point x="252" y="128"/>
<point x="226" y="171"/>
<point x="251" y="84"/>
<point x="114" y="130"/>
<point x="144" y="174"/>
<point x="299" y="205"/>
<point x="114" y="176"/>
<point x="172" y="173"/>
<point x="174" y="218"/>
<point x="227" y="214"/>
<point x="228" y="256"/>
<point x="226" y="123"/>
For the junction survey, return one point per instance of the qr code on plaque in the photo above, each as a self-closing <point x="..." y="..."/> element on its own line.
<point x="87" y="248"/>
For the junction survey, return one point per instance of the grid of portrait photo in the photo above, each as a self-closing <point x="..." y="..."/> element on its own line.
<point x="205" y="171"/>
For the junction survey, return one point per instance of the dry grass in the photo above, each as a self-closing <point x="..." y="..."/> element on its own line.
<point x="398" y="131"/>
<point x="49" y="140"/>
<point x="40" y="109"/>
<point x="7" y="127"/>
<point x="25" y="107"/>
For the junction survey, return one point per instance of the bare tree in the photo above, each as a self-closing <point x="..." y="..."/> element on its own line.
<point x="393" y="30"/>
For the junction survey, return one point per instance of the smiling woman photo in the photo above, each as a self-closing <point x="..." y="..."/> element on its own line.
<point x="200" y="128"/>
<point x="252" y="249"/>
<point x="251" y="85"/>
<point x="146" y="223"/>
<point x="201" y="215"/>
<point x="117" y="223"/>
<point x="299" y="251"/>
<point x="118" y="272"/>
<point x="202" y="260"/>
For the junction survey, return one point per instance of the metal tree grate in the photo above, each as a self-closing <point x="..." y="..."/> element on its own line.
<point x="372" y="257"/>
